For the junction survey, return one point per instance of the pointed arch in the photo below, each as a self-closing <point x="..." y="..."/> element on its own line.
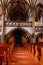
<point x="23" y="32"/>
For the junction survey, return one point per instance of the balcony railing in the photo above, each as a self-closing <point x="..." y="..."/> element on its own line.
<point x="23" y="24"/>
<point x="39" y="28"/>
<point x="39" y="23"/>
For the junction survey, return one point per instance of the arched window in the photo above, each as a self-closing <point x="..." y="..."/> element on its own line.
<point x="39" y="38"/>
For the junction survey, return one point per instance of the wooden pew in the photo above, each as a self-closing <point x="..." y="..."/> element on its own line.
<point x="36" y="49"/>
<point x="5" y="52"/>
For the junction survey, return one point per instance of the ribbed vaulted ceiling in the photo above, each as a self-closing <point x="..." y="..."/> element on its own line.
<point x="18" y="9"/>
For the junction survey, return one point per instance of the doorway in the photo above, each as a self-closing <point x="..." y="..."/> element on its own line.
<point x="18" y="37"/>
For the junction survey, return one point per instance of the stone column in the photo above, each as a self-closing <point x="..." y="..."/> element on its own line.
<point x="4" y="4"/>
<point x="3" y="29"/>
<point x="33" y="25"/>
<point x="32" y="18"/>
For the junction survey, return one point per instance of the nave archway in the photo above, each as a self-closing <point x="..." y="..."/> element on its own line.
<point x="18" y="36"/>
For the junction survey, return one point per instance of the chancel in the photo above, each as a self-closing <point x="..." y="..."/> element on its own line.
<point x="21" y="32"/>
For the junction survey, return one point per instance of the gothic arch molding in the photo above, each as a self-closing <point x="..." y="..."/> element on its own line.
<point x="25" y="33"/>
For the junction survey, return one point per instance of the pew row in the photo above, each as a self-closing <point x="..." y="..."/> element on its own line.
<point x="5" y="53"/>
<point x="36" y="50"/>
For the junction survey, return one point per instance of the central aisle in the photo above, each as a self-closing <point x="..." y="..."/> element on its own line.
<point x="21" y="57"/>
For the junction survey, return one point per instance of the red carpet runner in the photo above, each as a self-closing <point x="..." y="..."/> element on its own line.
<point x="21" y="57"/>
